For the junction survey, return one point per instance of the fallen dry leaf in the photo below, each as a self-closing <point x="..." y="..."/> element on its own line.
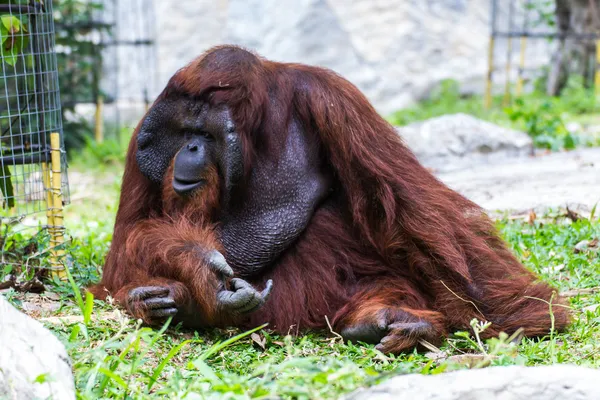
<point x="572" y="215"/>
<point x="472" y="360"/>
<point x="259" y="340"/>
<point x="586" y="245"/>
<point x="531" y="217"/>
<point x="580" y="292"/>
<point x="51" y="295"/>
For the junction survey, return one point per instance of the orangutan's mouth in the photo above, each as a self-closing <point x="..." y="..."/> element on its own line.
<point x="185" y="188"/>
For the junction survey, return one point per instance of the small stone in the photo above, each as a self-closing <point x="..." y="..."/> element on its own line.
<point x="591" y="308"/>
<point x="574" y="127"/>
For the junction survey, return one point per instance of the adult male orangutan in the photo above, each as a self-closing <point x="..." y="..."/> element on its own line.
<point x="288" y="172"/>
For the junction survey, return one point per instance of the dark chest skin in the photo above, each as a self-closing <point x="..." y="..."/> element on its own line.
<point x="257" y="224"/>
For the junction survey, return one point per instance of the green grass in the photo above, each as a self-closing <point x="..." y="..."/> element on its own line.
<point x="115" y="357"/>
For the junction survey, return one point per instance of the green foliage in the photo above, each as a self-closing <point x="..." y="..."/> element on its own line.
<point x="7" y="188"/>
<point x="544" y="125"/>
<point x="576" y="98"/>
<point x="21" y="253"/>
<point x="111" y="152"/>
<point x="543" y="13"/>
<point x="14" y="40"/>
<point x="79" y="58"/>
<point x="14" y="36"/>
<point x="542" y="117"/>
<point x="446" y="99"/>
<point x="548" y="247"/>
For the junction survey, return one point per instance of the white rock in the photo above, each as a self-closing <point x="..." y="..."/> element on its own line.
<point x="28" y="351"/>
<point x="497" y="383"/>
<point x="459" y="140"/>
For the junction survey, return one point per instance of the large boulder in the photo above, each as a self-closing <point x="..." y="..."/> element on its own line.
<point x="33" y="362"/>
<point x="456" y="141"/>
<point x="497" y="383"/>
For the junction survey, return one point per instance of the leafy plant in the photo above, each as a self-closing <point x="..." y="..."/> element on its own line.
<point x="7" y="188"/>
<point x="80" y="58"/>
<point x="541" y="116"/>
<point x="543" y="10"/>
<point x="15" y="37"/>
<point x="111" y="152"/>
<point x="446" y="98"/>
<point x="543" y="124"/>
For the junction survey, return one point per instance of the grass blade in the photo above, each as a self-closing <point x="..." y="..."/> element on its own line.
<point x="221" y="345"/>
<point x="88" y="308"/>
<point x="8" y="191"/>
<point x="114" y="377"/>
<point x="164" y="362"/>
<point x="206" y="371"/>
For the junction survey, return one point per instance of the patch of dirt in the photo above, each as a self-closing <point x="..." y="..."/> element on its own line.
<point x="534" y="183"/>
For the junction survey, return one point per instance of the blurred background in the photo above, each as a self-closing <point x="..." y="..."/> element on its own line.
<point x="400" y="53"/>
<point x="467" y="82"/>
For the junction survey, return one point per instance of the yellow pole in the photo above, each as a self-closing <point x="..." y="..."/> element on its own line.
<point x="523" y="46"/>
<point x="48" y="190"/>
<point x="56" y="224"/>
<point x="506" y="100"/>
<point x="99" y="128"/>
<point x="597" y="75"/>
<point x="488" y="83"/>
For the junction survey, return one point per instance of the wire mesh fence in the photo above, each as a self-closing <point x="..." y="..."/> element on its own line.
<point x="532" y="39"/>
<point x="29" y="105"/>
<point x="33" y="175"/>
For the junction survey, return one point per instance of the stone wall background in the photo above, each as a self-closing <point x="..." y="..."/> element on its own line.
<point x="396" y="51"/>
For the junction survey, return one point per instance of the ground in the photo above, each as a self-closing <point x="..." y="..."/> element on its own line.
<point x="569" y="178"/>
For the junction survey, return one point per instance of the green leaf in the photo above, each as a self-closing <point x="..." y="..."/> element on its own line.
<point x="89" y="306"/>
<point x="4" y="34"/>
<point x="116" y="378"/>
<point x="221" y="345"/>
<point x="10" y="59"/>
<point x="74" y="332"/>
<point x="569" y="142"/>
<point x="164" y="362"/>
<point x="7" y="188"/>
<point x="42" y="378"/>
<point x="20" y="44"/>
<point x="11" y="23"/>
<point x="206" y="371"/>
